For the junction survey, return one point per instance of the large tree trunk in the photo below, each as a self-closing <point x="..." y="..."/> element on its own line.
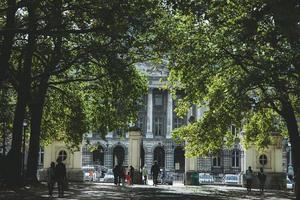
<point x="7" y="44"/>
<point x="14" y="157"/>
<point x="292" y="126"/>
<point x="36" y="113"/>
<point x="37" y="104"/>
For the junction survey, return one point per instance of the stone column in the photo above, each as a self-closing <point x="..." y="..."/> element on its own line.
<point x="134" y="150"/>
<point x="169" y="116"/>
<point x="148" y="158"/>
<point x="149" y="133"/>
<point x="191" y="164"/>
<point x="199" y="113"/>
<point x="189" y="114"/>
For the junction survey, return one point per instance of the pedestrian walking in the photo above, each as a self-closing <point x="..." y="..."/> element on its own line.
<point x="51" y="178"/>
<point x="131" y="170"/>
<point x="123" y="175"/>
<point x="61" y="177"/>
<point x="262" y="179"/>
<point x="116" y="173"/>
<point x="154" y="172"/>
<point x="145" y="174"/>
<point x="249" y="177"/>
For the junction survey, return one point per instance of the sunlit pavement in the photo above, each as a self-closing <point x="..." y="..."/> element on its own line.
<point x="93" y="191"/>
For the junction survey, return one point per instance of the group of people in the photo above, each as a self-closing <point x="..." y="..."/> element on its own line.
<point x="120" y="174"/>
<point x="261" y="177"/>
<point x="57" y="173"/>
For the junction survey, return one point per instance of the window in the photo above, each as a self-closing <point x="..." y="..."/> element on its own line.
<point x="140" y="123"/>
<point x="158" y="100"/>
<point x="235" y="158"/>
<point x="216" y="161"/>
<point x="158" y="126"/>
<point x="41" y="156"/>
<point x="263" y="159"/>
<point x="233" y="129"/>
<point x="62" y="155"/>
<point x="178" y="122"/>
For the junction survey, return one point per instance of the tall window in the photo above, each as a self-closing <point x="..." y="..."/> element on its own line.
<point x="41" y="156"/>
<point x="216" y="161"/>
<point x="140" y="123"/>
<point x="158" y="100"/>
<point x="233" y="129"/>
<point x="235" y="158"/>
<point x="158" y="126"/>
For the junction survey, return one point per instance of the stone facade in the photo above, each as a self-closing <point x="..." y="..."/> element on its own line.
<point x="157" y="119"/>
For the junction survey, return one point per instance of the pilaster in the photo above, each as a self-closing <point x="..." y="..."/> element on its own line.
<point x="149" y="133"/>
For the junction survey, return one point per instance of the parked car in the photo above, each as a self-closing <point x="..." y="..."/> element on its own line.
<point x="108" y="177"/>
<point x="205" y="178"/>
<point x="231" y="179"/>
<point x="88" y="171"/>
<point x="289" y="184"/>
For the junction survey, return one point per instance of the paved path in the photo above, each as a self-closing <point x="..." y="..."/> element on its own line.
<point x="95" y="191"/>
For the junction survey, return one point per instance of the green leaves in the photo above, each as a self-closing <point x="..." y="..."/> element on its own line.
<point x="232" y="58"/>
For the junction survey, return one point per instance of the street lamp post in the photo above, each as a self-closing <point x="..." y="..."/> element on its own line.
<point x="23" y="147"/>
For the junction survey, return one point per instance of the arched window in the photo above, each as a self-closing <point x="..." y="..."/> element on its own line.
<point x="62" y="155"/>
<point x="216" y="161"/>
<point x="235" y="162"/>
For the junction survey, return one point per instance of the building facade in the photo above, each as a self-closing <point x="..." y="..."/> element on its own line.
<point x="157" y="119"/>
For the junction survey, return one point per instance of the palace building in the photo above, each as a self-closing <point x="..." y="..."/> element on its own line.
<point x="156" y="120"/>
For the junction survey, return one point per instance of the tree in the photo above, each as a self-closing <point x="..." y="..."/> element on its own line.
<point x="56" y="42"/>
<point x="240" y="60"/>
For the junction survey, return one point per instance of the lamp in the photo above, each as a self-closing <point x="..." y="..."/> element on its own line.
<point x="23" y="151"/>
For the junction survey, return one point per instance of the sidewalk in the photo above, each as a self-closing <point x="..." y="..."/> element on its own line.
<point x="93" y="191"/>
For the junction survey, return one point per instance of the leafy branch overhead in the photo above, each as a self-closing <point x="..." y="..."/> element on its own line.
<point x="238" y="60"/>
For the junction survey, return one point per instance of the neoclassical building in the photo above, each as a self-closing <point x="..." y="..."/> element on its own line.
<point x="157" y="119"/>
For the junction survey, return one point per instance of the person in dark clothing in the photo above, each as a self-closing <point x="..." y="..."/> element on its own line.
<point x="116" y="178"/>
<point x="262" y="179"/>
<point x="155" y="171"/>
<point x="51" y="178"/>
<point x="118" y="173"/>
<point x="249" y="177"/>
<point x="131" y="174"/>
<point x="61" y="175"/>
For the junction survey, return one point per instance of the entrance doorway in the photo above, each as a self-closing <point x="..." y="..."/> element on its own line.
<point x="118" y="155"/>
<point x="179" y="159"/>
<point x="159" y="156"/>
<point x="98" y="156"/>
